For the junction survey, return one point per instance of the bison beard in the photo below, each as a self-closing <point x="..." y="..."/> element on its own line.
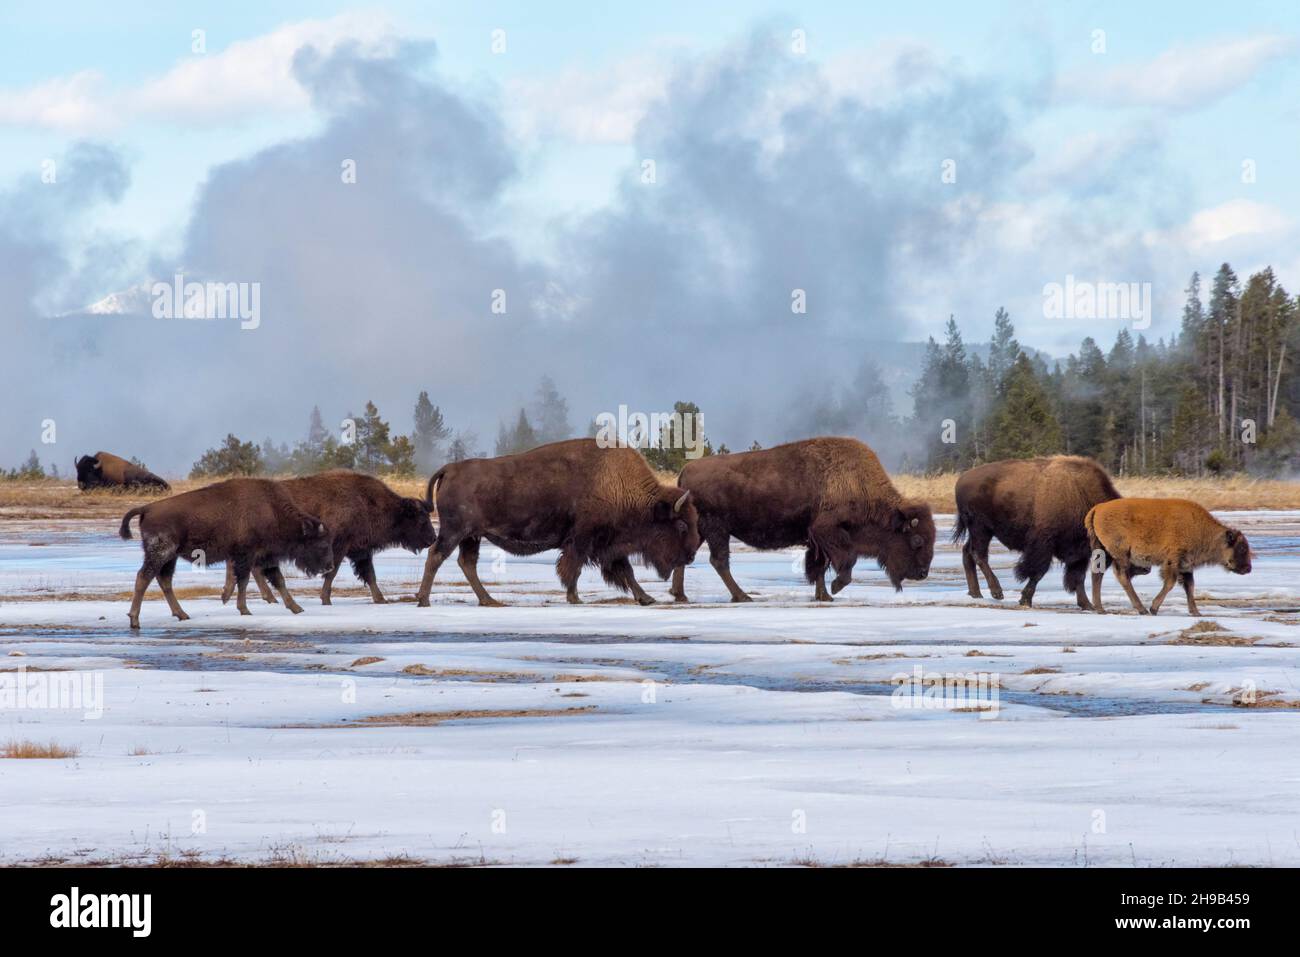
<point x="249" y="523"/>
<point x="598" y="506"/>
<point x="830" y="495"/>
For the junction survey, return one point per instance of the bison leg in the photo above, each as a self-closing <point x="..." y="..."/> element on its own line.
<point x="978" y="543"/>
<point x="1169" y="578"/>
<point x="158" y="553"/>
<point x="441" y="551"/>
<point x="968" y="565"/>
<point x="1189" y="587"/>
<point x="365" y="569"/>
<point x="1033" y="565"/>
<point x="678" y="591"/>
<point x="1076" y="573"/>
<point x="142" y="579"/>
<point x="468" y="561"/>
<point x="814" y="569"/>
<point x="720" y="559"/>
<point x="834" y="547"/>
<point x="263" y="587"/>
<point x="242" y="569"/>
<point x="618" y="572"/>
<point x="228" y="588"/>
<point x="165" y="583"/>
<point x="276" y="577"/>
<point x="1121" y="573"/>
<point x="327" y="584"/>
<point x="569" y="567"/>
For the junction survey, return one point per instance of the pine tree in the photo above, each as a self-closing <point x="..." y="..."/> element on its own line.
<point x="430" y="432"/>
<point x="1025" y="424"/>
<point x="551" y="414"/>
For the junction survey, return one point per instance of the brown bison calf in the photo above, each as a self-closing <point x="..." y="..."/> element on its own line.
<point x="249" y="523"/>
<point x="106" y="470"/>
<point x="596" y="505"/>
<point x="1177" y="535"/>
<point x="828" y="494"/>
<point x="1035" y="507"/>
<point x="363" y="515"/>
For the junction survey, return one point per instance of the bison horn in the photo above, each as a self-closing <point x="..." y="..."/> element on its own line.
<point x="916" y="522"/>
<point x="677" y="506"/>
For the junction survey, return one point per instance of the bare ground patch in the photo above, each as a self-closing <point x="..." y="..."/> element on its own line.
<point x="429" y="719"/>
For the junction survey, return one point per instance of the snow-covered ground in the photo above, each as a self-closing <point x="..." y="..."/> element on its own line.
<point x="608" y="733"/>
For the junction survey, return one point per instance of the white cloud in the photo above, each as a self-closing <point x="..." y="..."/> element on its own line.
<point x="247" y="77"/>
<point x="1233" y="220"/>
<point x="1180" y="77"/>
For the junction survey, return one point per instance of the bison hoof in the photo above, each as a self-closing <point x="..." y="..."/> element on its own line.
<point x="742" y="597"/>
<point x="182" y="617"/>
<point x="996" y="593"/>
<point x="381" y="600"/>
<point x="822" y="598"/>
<point x="646" y="600"/>
<point x="135" y="622"/>
<point x="681" y="599"/>
<point x="490" y="603"/>
<point x="975" y="594"/>
<point x="1026" y="603"/>
<point x="225" y="597"/>
<point x="296" y="609"/>
<point x="422" y="601"/>
<point x="244" y="611"/>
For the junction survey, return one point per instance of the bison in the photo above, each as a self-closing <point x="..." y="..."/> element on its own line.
<point x="1033" y="506"/>
<point x="1177" y="535"/>
<point x="597" y="505"/>
<point x="249" y="523"/>
<point x="830" y="495"/>
<point x="106" y="470"/>
<point x="364" y="516"/>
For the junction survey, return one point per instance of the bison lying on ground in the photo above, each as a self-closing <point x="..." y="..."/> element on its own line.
<point x="106" y="470"/>
<point x="250" y="523"/>
<point x="829" y="494"/>
<point x="1035" y="507"/>
<point x="597" y="505"/>
<point x="1177" y="535"/>
<point x="363" y="515"/>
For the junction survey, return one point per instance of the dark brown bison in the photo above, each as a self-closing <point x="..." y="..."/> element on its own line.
<point x="830" y="495"/>
<point x="250" y="523"/>
<point x="598" y="506"/>
<point x="1035" y="507"/>
<point x="363" y="515"/>
<point x="106" y="470"/>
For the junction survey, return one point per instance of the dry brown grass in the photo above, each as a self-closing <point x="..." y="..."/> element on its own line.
<point x="428" y="719"/>
<point x="31" y="749"/>
<point x="62" y="499"/>
<point x="1232" y="492"/>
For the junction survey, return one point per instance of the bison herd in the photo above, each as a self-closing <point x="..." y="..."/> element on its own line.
<point x="604" y="506"/>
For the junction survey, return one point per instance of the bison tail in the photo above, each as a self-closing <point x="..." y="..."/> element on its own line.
<point x="1088" y="522"/>
<point x="431" y="489"/>
<point x="959" y="527"/>
<point x="125" y="530"/>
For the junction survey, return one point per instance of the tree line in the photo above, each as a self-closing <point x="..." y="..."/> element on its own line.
<point x="1215" y="397"/>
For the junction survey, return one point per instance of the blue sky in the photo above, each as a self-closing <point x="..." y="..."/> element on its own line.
<point x="1111" y="156"/>
<point x="128" y="45"/>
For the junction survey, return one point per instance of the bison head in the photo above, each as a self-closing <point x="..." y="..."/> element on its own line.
<point x="673" y="536"/>
<point x="413" y="525"/>
<point x="1236" y="552"/>
<point x="314" y="551"/>
<point x="90" y="473"/>
<point x="909" y="544"/>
